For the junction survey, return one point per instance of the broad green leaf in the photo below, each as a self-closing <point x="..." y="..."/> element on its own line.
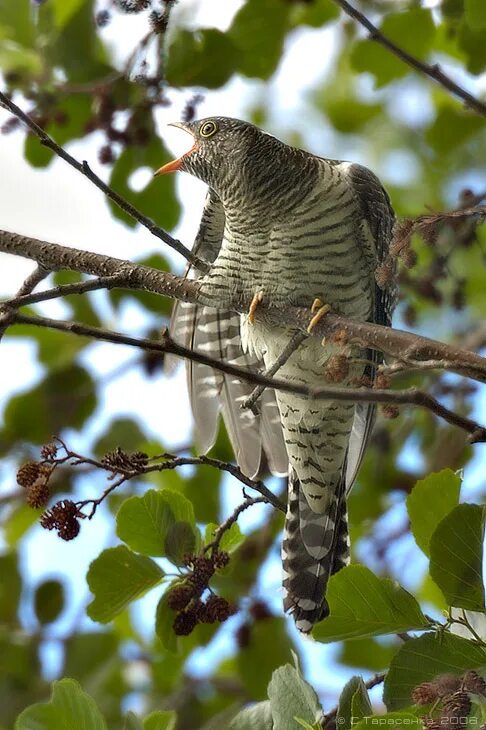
<point x="259" y="51"/>
<point x="268" y="647"/>
<point x="475" y="13"/>
<point x="429" y="502"/>
<point x="451" y="128"/>
<point x="367" y="653"/>
<point x="363" y="605"/>
<point x="160" y="721"/>
<point x="390" y="720"/>
<point x="181" y="507"/>
<point x="143" y="523"/>
<point x="420" y="660"/>
<point x="48" y="601"/>
<point x="17" y="19"/>
<point x="64" y="398"/>
<point x="456" y="557"/>
<point x="360" y="702"/>
<point x="64" y="10"/>
<point x="164" y="621"/>
<point x="316" y="14"/>
<point x="180" y="540"/>
<point x="70" y="707"/>
<point x="344" y="713"/>
<point x="122" y="432"/>
<point x="255" y="717"/>
<point x="231" y="540"/>
<point x="53" y="348"/>
<point x="206" y="58"/>
<point x="157" y="199"/>
<point x="10" y="589"/>
<point x="117" y="577"/>
<point x="14" y="57"/>
<point x="412" y="29"/>
<point x="473" y="43"/>
<point x="292" y="697"/>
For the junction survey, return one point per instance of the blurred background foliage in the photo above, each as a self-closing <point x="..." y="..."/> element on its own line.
<point x="360" y="102"/>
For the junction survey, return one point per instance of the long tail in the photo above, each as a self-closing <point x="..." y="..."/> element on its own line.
<point x="314" y="547"/>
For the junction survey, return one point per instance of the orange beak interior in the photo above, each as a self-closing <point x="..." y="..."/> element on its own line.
<point x="175" y="164"/>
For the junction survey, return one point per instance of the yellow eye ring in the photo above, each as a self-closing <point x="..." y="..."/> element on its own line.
<point x="207" y="129"/>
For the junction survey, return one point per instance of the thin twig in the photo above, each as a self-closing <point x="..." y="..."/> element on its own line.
<point x="432" y="71"/>
<point x="7" y="309"/>
<point x="296" y="340"/>
<point x="85" y="169"/>
<point x="230" y="521"/>
<point x="410" y="396"/>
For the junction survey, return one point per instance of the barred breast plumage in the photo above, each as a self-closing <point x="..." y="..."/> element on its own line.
<point x="295" y="227"/>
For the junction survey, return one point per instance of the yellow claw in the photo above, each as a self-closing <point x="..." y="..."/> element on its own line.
<point x="319" y="310"/>
<point x="257" y="299"/>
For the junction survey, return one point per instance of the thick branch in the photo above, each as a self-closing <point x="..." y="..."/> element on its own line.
<point x="411" y="396"/>
<point x="432" y="71"/>
<point x="85" y="169"/>
<point x="403" y="346"/>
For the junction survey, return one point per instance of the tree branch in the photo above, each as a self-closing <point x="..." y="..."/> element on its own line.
<point x="7" y="312"/>
<point x="403" y="346"/>
<point x="411" y="396"/>
<point x="432" y="71"/>
<point x="85" y="170"/>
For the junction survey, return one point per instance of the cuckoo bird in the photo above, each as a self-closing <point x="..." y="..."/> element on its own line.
<point x="287" y="226"/>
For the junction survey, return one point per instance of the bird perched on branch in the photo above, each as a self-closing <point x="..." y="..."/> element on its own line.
<point x="287" y="227"/>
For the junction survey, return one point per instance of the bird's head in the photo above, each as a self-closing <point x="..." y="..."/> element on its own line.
<point x="221" y="149"/>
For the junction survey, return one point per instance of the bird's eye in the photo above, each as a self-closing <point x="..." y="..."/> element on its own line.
<point x="207" y="129"/>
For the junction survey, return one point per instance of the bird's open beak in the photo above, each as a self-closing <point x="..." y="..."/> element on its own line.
<point x="176" y="164"/>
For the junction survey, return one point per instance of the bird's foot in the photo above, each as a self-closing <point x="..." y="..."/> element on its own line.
<point x="257" y="299"/>
<point x="319" y="310"/>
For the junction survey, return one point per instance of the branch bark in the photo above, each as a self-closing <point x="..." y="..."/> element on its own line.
<point x="432" y="71"/>
<point x="401" y="345"/>
<point x="411" y="396"/>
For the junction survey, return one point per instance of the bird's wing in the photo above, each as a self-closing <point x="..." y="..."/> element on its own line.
<point x="376" y="227"/>
<point x="216" y="333"/>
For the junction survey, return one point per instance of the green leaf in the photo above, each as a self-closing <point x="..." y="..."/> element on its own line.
<point x="48" y="601"/>
<point x="429" y="502"/>
<point x="160" y="721"/>
<point x="456" y="557"/>
<point x="316" y="14"/>
<point x="64" y="10"/>
<point x="17" y="20"/>
<point x="181" y="507"/>
<point x="53" y="348"/>
<point x="231" y="540"/>
<point x="475" y="14"/>
<point x="366" y="653"/>
<point x="473" y="43"/>
<point x="206" y="58"/>
<point x="353" y="703"/>
<point x="363" y="605"/>
<point x="69" y="707"/>
<point x="259" y="50"/>
<point x="268" y="647"/>
<point x="255" y="717"/>
<point x="291" y="697"/>
<point x="420" y="660"/>
<point x="117" y="577"/>
<point x="180" y="540"/>
<point x="10" y="589"/>
<point x="164" y="621"/>
<point x="451" y="128"/>
<point x="157" y="199"/>
<point x="122" y="432"/>
<point x="413" y="30"/>
<point x="14" y="57"/>
<point x="143" y="523"/>
<point x="65" y="398"/>
<point x="80" y="304"/>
